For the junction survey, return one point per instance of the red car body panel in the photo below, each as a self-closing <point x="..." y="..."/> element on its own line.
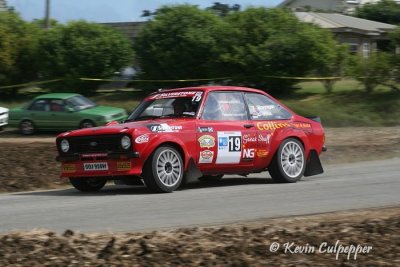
<point x="196" y="139"/>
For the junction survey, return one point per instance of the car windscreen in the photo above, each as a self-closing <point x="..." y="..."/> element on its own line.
<point x="79" y="102"/>
<point x="164" y="107"/>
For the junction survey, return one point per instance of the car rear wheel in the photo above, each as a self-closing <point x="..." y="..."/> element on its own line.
<point x="211" y="178"/>
<point x="163" y="172"/>
<point x="91" y="184"/>
<point x="87" y="124"/>
<point x="27" y="127"/>
<point x="289" y="162"/>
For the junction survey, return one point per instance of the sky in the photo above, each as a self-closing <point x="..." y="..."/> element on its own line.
<point x="112" y="10"/>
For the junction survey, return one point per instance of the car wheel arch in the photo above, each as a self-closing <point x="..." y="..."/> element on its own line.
<point x="175" y="145"/>
<point x="297" y="134"/>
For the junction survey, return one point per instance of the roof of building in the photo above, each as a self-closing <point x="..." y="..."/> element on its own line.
<point x="340" y="21"/>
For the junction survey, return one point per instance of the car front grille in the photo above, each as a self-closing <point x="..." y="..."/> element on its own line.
<point x="98" y="143"/>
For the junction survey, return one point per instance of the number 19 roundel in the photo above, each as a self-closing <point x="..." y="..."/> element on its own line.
<point x="229" y="147"/>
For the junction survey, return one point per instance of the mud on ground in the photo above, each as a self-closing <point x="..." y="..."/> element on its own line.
<point x="377" y="232"/>
<point x="28" y="163"/>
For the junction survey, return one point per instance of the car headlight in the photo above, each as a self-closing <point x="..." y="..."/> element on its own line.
<point x="125" y="142"/>
<point x="64" y="144"/>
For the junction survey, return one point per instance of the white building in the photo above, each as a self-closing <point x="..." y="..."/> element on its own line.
<point x="342" y="6"/>
<point x="3" y="5"/>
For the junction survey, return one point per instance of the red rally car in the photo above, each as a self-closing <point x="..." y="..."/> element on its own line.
<point x="197" y="132"/>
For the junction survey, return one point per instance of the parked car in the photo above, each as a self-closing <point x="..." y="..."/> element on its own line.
<point x="199" y="132"/>
<point x="62" y="111"/>
<point x="3" y="117"/>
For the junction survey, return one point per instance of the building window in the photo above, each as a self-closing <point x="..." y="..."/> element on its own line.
<point x="365" y="50"/>
<point x="353" y="48"/>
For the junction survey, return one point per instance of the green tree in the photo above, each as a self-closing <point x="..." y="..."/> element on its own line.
<point x="180" y="42"/>
<point x="18" y="49"/>
<point x="371" y="71"/>
<point x="82" y="49"/>
<point x="386" y="11"/>
<point x="267" y="45"/>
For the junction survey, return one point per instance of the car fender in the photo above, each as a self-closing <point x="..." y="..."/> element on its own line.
<point x="161" y="139"/>
<point x="281" y="134"/>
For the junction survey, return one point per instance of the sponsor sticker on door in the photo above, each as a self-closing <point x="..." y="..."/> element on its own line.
<point x="206" y="156"/>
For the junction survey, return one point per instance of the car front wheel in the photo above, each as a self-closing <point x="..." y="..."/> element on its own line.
<point x="88" y="184"/>
<point x="289" y="162"/>
<point x="163" y="172"/>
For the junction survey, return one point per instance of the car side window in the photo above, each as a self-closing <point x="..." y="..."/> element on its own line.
<point x="57" y="105"/>
<point x="262" y="107"/>
<point x="40" y="105"/>
<point x="228" y="106"/>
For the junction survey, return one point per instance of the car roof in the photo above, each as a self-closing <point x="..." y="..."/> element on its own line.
<point x="56" y="95"/>
<point x="211" y="88"/>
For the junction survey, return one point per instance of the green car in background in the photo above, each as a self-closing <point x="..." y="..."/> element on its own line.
<point x="62" y="111"/>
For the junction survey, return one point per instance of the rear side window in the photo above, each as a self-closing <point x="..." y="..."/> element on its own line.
<point x="228" y="106"/>
<point x="262" y="107"/>
<point x="40" y="105"/>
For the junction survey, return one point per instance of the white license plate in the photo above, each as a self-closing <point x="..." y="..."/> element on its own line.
<point x="95" y="166"/>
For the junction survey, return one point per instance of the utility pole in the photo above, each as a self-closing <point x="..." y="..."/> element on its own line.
<point x="47" y="15"/>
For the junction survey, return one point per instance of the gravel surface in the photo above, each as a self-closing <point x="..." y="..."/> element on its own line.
<point x="303" y="241"/>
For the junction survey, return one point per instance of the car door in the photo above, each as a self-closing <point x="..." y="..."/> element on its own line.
<point x="38" y="112"/>
<point x="61" y="117"/>
<point x="267" y="116"/>
<point x="226" y="139"/>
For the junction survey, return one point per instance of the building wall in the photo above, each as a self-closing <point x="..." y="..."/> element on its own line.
<point x="3" y="5"/>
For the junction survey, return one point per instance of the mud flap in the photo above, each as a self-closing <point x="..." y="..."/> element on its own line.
<point x="192" y="173"/>
<point x="314" y="165"/>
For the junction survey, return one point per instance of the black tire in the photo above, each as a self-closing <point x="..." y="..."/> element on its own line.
<point x="211" y="178"/>
<point x="163" y="172"/>
<point x="88" y="184"/>
<point x="27" y="127"/>
<point x="289" y="163"/>
<point x="87" y="124"/>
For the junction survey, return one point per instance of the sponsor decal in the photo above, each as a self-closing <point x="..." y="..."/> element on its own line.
<point x="272" y="126"/>
<point x="249" y="138"/>
<point x="266" y="139"/>
<point x="95" y="166"/>
<point x="205" y="129"/>
<point x="68" y="168"/>
<point x="123" y="165"/>
<point x="262" y="153"/>
<point x="302" y="125"/>
<point x="248" y="153"/>
<point x="206" y="156"/>
<point x="229" y="147"/>
<point x="177" y="94"/>
<point x="144" y="138"/>
<point x="207" y="141"/>
<point x="94" y="155"/>
<point x="197" y="97"/>
<point x="163" y="127"/>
